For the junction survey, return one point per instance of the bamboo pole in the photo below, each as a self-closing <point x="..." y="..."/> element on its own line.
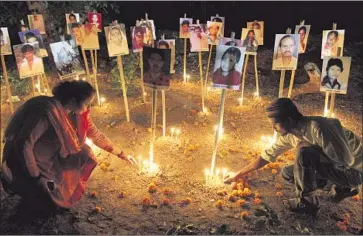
<point x="123" y="86"/>
<point x="243" y="79"/>
<point x="93" y="61"/>
<point x="153" y="126"/>
<point x="292" y="78"/>
<point x="326" y="110"/>
<point x="201" y="79"/>
<point x="164" y="111"/>
<point x="206" y="73"/>
<point x="85" y="62"/>
<point x="33" y="86"/>
<point x="142" y="76"/>
<point x="256" y="76"/>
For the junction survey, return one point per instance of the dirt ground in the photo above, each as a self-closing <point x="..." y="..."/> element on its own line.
<point x="117" y="196"/>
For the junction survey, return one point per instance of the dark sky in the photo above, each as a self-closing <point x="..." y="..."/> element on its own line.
<point x="277" y="15"/>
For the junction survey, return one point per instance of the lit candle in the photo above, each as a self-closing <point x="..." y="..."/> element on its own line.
<point x="145" y="93"/>
<point x="256" y="94"/>
<point x="224" y="171"/>
<point x="177" y="132"/>
<point x="172" y="131"/>
<point x="218" y="171"/>
<point x="84" y="79"/>
<point x="102" y="100"/>
<point x="206" y="174"/>
<point x="240" y="101"/>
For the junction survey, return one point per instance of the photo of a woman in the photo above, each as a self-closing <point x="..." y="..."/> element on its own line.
<point x="116" y="40"/>
<point x="250" y="41"/>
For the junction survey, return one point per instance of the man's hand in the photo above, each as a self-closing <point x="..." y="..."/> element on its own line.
<point x="230" y="177"/>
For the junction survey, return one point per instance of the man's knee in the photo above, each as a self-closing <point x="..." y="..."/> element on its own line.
<point x="306" y="156"/>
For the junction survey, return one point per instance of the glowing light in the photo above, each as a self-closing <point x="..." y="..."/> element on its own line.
<point x="172" y="130"/>
<point x="224" y="173"/>
<point x="145" y="93"/>
<point x="84" y="79"/>
<point x="177" y="131"/>
<point x="89" y="142"/>
<point x="240" y="101"/>
<point x="102" y="99"/>
<point x="221" y="131"/>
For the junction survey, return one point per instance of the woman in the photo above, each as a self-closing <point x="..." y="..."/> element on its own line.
<point x="226" y="76"/>
<point x="333" y="71"/>
<point x="45" y="155"/>
<point x="250" y="42"/>
<point x="116" y="44"/>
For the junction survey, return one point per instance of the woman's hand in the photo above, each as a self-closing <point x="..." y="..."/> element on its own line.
<point x="129" y="159"/>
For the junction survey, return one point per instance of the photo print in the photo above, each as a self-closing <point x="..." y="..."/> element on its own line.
<point x="199" y="38"/>
<point x="116" y="40"/>
<point x="214" y="30"/>
<point x="249" y="40"/>
<point x="33" y="36"/>
<point x="36" y="22"/>
<point x="335" y="74"/>
<point x="285" y="52"/>
<point x="258" y="26"/>
<point x="137" y="37"/>
<point x="169" y="44"/>
<point x="28" y="60"/>
<point x="303" y="32"/>
<point x="5" y="44"/>
<point x="332" y="44"/>
<point x="184" y="31"/>
<point x="95" y="20"/>
<point x="220" y="19"/>
<point x="70" y="19"/>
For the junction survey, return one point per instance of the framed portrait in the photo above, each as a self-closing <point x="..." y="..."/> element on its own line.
<point x="137" y="37"/>
<point x="214" y="31"/>
<point x="116" y="40"/>
<point x="228" y="67"/>
<point x="220" y="19"/>
<point x="37" y="22"/>
<point x="28" y="60"/>
<point x="90" y="40"/>
<point x="257" y="25"/>
<point x="230" y="42"/>
<point x="77" y="32"/>
<point x="71" y="18"/>
<point x="33" y="36"/>
<point x="184" y="30"/>
<point x="285" y="52"/>
<point x="95" y="19"/>
<point x="332" y="43"/>
<point x="67" y="58"/>
<point x="249" y="40"/>
<point x="335" y="74"/>
<point x="199" y="38"/>
<point x="5" y="44"/>
<point x="149" y="36"/>
<point x="156" y="67"/>
<point x="169" y="44"/>
<point x="303" y="32"/>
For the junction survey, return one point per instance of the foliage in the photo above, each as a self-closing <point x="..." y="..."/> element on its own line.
<point x="19" y="86"/>
<point x="130" y="65"/>
<point x="11" y="12"/>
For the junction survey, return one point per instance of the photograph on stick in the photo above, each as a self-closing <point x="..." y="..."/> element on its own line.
<point x="137" y="37"/>
<point x="28" y="60"/>
<point x="220" y="19"/>
<point x="37" y="22"/>
<point x="116" y="40"/>
<point x="71" y="18"/>
<point x="5" y="44"/>
<point x="67" y="58"/>
<point x="149" y="36"/>
<point x="214" y="32"/>
<point x="303" y="32"/>
<point x="257" y="25"/>
<point x="199" y="38"/>
<point x="90" y="40"/>
<point x="77" y="32"/>
<point x="332" y="44"/>
<point x="249" y="40"/>
<point x="156" y="67"/>
<point x="285" y="52"/>
<point x="184" y="31"/>
<point x="228" y="67"/>
<point x="33" y="36"/>
<point x="335" y="74"/>
<point x="169" y="44"/>
<point x="95" y="19"/>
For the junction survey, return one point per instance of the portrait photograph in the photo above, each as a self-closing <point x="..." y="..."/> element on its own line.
<point x="332" y="43"/>
<point x="249" y="41"/>
<point x="220" y="19"/>
<point x="228" y="67"/>
<point x="137" y="37"/>
<point x="184" y="30"/>
<point x="214" y="31"/>
<point x="156" y="67"/>
<point x="37" y="22"/>
<point x="5" y="44"/>
<point x="33" y="36"/>
<point x="169" y="44"/>
<point x="67" y="58"/>
<point x="285" y="52"/>
<point x="199" y="38"/>
<point x="90" y="40"/>
<point x="303" y="32"/>
<point x="71" y="18"/>
<point x="230" y="42"/>
<point x="116" y="40"/>
<point x="95" y="19"/>
<point x="77" y="32"/>
<point x="28" y="60"/>
<point x="257" y="25"/>
<point x="335" y="74"/>
<point x="149" y="36"/>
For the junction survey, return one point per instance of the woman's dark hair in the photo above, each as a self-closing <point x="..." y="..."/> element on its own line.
<point x="79" y="91"/>
<point x="139" y="29"/>
<point x="333" y="32"/>
<point x="185" y="22"/>
<point x="282" y="109"/>
<point x="335" y="62"/>
<point x="234" y="51"/>
<point x="31" y="35"/>
<point x="72" y="15"/>
<point x="27" y="48"/>
<point x="302" y="28"/>
<point x="256" y="24"/>
<point x="163" y="43"/>
<point x="217" y="19"/>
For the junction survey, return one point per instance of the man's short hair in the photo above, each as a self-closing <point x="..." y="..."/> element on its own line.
<point x="335" y="62"/>
<point x="138" y="29"/>
<point x="282" y="109"/>
<point x="155" y="51"/>
<point x="75" y="25"/>
<point x="27" y="48"/>
<point x="185" y="22"/>
<point x="73" y="15"/>
<point x="233" y="51"/>
<point x="333" y="32"/>
<point x="256" y="24"/>
<point x="163" y="43"/>
<point x="217" y="19"/>
<point x="285" y="37"/>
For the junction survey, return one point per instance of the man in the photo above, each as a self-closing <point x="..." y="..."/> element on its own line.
<point x="302" y="35"/>
<point x="199" y="40"/>
<point x="5" y="48"/>
<point x="72" y="18"/>
<point x="331" y="46"/>
<point x="138" y="34"/>
<point x="156" y="77"/>
<point x="326" y="150"/>
<point x="287" y="48"/>
<point x="213" y="32"/>
<point x="31" y="64"/>
<point x="184" y="29"/>
<point x="76" y="30"/>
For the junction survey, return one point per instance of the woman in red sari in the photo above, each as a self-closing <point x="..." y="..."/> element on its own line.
<point x="45" y="155"/>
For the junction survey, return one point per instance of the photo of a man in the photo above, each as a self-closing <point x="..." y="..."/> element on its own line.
<point x="156" y="68"/>
<point x="228" y="67"/>
<point x="169" y="44"/>
<point x="70" y="19"/>
<point x="258" y="27"/>
<point x="33" y="36"/>
<point x="90" y="37"/>
<point x="214" y="32"/>
<point x="303" y="31"/>
<point x="335" y="74"/>
<point x="332" y="45"/>
<point x="219" y="19"/>
<point x="95" y="19"/>
<point x="198" y="38"/>
<point x="5" y="45"/>
<point x="286" y="52"/>
<point x="184" y="31"/>
<point x="116" y="40"/>
<point x="36" y="22"/>
<point x="149" y="36"/>
<point x="28" y="60"/>
<point x="137" y="36"/>
<point x="77" y="31"/>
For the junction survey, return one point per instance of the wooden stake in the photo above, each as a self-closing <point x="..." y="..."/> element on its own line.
<point x="219" y="128"/>
<point x="93" y="61"/>
<point x="45" y="81"/>
<point x="85" y="62"/>
<point x="282" y="81"/>
<point x="326" y="111"/>
<point x="7" y="84"/>
<point x="292" y="78"/>
<point x="185" y="56"/>
<point x="123" y="86"/>
<point x="206" y="73"/>
<point x="33" y="86"/>
<point x="164" y="112"/>
<point x="201" y="78"/>
<point x="153" y="125"/>
<point x="244" y="79"/>
<point x="332" y="104"/>
<point x="142" y="76"/>
<point x="256" y="76"/>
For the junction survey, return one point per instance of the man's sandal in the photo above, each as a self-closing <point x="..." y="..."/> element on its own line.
<point x="300" y="205"/>
<point x="341" y="195"/>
